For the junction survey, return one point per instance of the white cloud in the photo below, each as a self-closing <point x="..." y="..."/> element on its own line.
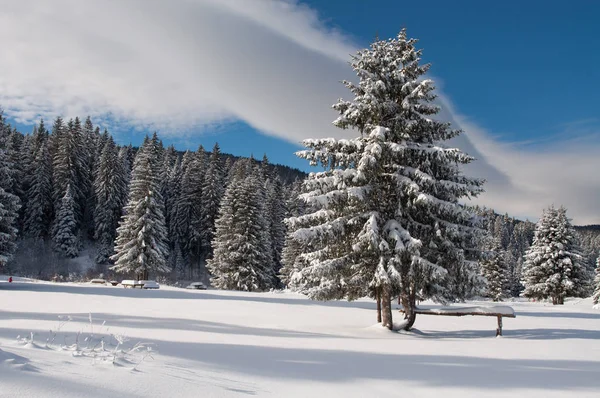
<point x="524" y="179"/>
<point x="172" y="64"/>
<point x="177" y="64"/>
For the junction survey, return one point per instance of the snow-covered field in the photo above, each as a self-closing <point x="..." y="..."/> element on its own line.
<point x="181" y="343"/>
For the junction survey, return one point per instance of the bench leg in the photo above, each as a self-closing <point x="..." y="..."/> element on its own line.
<point x="499" y="330"/>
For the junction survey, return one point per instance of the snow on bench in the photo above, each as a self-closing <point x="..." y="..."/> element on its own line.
<point x="142" y="284"/>
<point x="498" y="311"/>
<point x="132" y="283"/>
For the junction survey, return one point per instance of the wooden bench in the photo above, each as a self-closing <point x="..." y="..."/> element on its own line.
<point x="132" y="283"/>
<point x="500" y="311"/>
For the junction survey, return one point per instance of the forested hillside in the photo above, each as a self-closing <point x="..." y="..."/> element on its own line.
<point x="76" y="205"/>
<point x="68" y="186"/>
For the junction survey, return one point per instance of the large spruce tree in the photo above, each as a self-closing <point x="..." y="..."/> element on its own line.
<point x="554" y="266"/>
<point x="596" y="295"/>
<point x="9" y="210"/>
<point x="65" y="227"/>
<point x="388" y="219"/>
<point x="213" y="189"/>
<point x="242" y="249"/>
<point x="110" y="192"/>
<point x="141" y="245"/>
<point x="39" y="209"/>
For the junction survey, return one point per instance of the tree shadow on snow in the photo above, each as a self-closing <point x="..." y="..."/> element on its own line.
<point x="142" y="322"/>
<point x="526" y="334"/>
<point x="114" y="291"/>
<point x="330" y="365"/>
<point x="550" y="314"/>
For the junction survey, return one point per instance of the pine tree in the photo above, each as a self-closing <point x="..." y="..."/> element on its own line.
<point x="553" y="264"/>
<point x="189" y="207"/>
<point x="9" y="210"/>
<point x="292" y="248"/>
<point x="14" y="153"/>
<point x="181" y="210"/>
<point x="174" y="182"/>
<point x="495" y="271"/>
<point x="38" y="212"/>
<point x="242" y="256"/>
<point x="70" y="167"/>
<point x="275" y="214"/>
<point x="169" y="188"/>
<point x="110" y="187"/>
<point x="124" y="157"/>
<point x="90" y="140"/>
<point x="596" y="295"/>
<point x="212" y="193"/>
<point x="65" y="229"/>
<point x="389" y="220"/>
<point x="141" y="246"/>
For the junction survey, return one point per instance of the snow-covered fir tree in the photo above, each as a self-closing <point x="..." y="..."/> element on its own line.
<point x="213" y="189"/>
<point x="189" y="209"/>
<point x="124" y="157"/>
<point x="292" y="248"/>
<point x="275" y="200"/>
<point x="65" y="228"/>
<point x="174" y="191"/>
<point x="141" y="245"/>
<point x="242" y="249"/>
<point x="495" y="271"/>
<point x="110" y="192"/>
<point x="181" y="208"/>
<point x="90" y="140"/>
<point x="9" y="210"/>
<point x="14" y="154"/>
<point x="388" y="219"/>
<point x="596" y="294"/>
<point x="553" y="264"/>
<point x="38" y="211"/>
<point x="70" y="166"/>
<point x="169" y="189"/>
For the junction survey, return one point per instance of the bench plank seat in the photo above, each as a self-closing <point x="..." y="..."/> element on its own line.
<point x="498" y="311"/>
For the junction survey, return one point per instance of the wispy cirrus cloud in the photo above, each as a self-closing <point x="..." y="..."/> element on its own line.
<point x="183" y="65"/>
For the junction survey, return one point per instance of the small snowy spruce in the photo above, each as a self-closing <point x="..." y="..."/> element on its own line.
<point x="553" y="265"/>
<point x="495" y="271"/>
<point x="65" y="228"/>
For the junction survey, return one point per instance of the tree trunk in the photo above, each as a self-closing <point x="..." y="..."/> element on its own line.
<point x="378" y="297"/>
<point x="386" y="308"/>
<point x="409" y="305"/>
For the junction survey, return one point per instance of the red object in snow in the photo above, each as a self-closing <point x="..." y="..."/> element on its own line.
<point x="9" y="279"/>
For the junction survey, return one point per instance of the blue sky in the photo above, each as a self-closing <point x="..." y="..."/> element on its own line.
<point x="521" y="78"/>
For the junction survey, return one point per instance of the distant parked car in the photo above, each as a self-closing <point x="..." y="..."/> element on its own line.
<point x="196" y="285"/>
<point x="98" y="281"/>
<point x="114" y="283"/>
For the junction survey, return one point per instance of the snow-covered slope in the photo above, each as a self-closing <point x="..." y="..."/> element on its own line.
<point x="185" y="343"/>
